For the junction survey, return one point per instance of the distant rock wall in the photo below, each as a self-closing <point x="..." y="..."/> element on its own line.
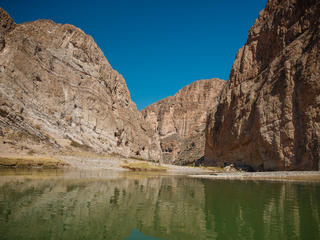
<point x="268" y="116"/>
<point x="57" y="89"/>
<point x="180" y="120"/>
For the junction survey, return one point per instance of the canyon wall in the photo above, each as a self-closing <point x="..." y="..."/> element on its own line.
<point x="268" y="115"/>
<point x="58" y="91"/>
<point x="180" y="120"/>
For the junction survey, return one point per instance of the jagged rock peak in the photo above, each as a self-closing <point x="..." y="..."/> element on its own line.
<point x="6" y="25"/>
<point x="6" y="22"/>
<point x="268" y="116"/>
<point x="180" y="120"/>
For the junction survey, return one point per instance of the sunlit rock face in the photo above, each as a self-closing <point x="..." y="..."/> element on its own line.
<point x="180" y="120"/>
<point x="268" y="116"/>
<point x="57" y="89"/>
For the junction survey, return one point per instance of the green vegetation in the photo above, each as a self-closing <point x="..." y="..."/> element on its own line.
<point x="143" y="166"/>
<point x="31" y="162"/>
<point x="31" y="152"/>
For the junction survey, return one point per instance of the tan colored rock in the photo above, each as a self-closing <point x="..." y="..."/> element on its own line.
<point x="180" y="120"/>
<point x="57" y="89"/>
<point x="269" y="113"/>
<point x="7" y="24"/>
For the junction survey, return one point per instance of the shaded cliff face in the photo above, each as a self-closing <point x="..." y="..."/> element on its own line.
<point x="268" y="115"/>
<point x="180" y="120"/>
<point x="58" y="89"/>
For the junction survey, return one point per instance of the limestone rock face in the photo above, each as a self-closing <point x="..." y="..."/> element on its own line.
<point x="7" y="24"/>
<point x="58" y="89"/>
<point x="180" y="120"/>
<point x="268" y="116"/>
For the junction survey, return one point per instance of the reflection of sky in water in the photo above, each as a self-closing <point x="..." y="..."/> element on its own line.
<point x="136" y="235"/>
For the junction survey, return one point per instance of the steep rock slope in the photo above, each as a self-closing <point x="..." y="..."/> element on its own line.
<point x="58" y="90"/>
<point x="269" y="113"/>
<point x="180" y="120"/>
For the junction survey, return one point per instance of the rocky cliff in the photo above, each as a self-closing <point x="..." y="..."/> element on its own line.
<point x="180" y="120"/>
<point x="268" y="116"/>
<point x="58" y="91"/>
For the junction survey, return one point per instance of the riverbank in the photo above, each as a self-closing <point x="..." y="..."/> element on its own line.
<point x="93" y="162"/>
<point x="118" y="163"/>
<point x="272" y="176"/>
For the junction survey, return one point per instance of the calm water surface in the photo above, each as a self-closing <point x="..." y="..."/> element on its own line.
<point x="109" y="205"/>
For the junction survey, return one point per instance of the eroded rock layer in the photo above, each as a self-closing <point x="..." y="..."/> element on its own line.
<point x="180" y="120"/>
<point x="269" y="113"/>
<point x="57" y="89"/>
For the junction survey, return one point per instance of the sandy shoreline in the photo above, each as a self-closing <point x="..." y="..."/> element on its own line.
<point x="114" y="163"/>
<point x="88" y="162"/>
<point x="91" y="162"/>
<point x="273" y="176"/>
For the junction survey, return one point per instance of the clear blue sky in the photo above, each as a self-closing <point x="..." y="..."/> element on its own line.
<point x="159" y="46"/>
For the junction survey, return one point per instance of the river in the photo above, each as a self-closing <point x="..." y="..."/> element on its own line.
<point x="57" y="204"/>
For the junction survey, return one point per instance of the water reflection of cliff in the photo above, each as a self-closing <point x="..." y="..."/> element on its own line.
<point x="159" y="206"/>
<point x="263" y="210"/>
<point x="102" y="209"/>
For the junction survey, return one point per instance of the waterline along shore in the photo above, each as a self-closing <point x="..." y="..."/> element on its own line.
<point x="96" y="163"/>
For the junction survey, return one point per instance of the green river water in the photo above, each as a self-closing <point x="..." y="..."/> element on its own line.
<point x="111" y="205"/>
